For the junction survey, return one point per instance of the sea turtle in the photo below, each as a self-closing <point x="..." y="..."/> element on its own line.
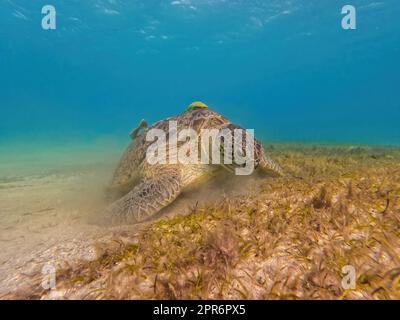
<point x="146" y="188"/>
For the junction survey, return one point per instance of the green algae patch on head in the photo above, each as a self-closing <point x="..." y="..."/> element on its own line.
<point x="196" y="105"/>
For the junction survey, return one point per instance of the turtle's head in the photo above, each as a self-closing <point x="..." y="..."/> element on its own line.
<point x="196" y="105"/>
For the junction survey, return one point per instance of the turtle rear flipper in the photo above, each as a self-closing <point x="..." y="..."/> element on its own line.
<point x="145" y="200"/>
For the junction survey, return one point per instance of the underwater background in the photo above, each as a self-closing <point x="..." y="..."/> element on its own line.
<point x="285" y="68"/>
<point x="325" y="101"/>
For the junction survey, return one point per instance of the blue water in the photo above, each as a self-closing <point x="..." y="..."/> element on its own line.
<point x="283" y="67"/>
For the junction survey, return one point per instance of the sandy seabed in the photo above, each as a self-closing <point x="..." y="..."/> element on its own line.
<point x="246" y="238"/>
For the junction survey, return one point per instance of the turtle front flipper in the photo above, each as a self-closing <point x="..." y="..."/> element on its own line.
<point x="145" y="200"/>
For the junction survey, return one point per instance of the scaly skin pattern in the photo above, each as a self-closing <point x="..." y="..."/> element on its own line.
<point x="147" y="188"/>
